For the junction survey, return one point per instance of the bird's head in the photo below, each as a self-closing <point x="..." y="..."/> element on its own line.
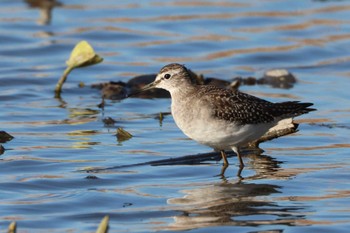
<point x="171" y="77"/>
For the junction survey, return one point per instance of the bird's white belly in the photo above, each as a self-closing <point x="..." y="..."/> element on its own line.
<point x="223" y="136"/>
<point x="216" y="133"/>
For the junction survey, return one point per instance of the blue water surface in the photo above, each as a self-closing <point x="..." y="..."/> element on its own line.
<point x="299" y="184"/>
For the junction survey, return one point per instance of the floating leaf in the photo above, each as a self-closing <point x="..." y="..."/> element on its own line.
<point x="103" y="227"/>
<point x="82" y="55"/>
<point x="12" y="227"/>
<point x="123" y="135"/>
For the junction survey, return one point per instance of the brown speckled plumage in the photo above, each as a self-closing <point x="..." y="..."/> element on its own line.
<point x="247" y="109"/>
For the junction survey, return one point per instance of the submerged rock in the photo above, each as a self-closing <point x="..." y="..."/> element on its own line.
<point x="279" y="78"/>
<point x="121" y="90"/>
<point x="109" y="121"/>
<point x="114" y="92"/>
<point x="2" y="149"/>
<point x="135" y="84"/>
<point x="217" y="82"/>
<point x="5" y="137"/>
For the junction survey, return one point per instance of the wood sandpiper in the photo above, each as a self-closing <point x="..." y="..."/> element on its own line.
<point x="218" y="117"/>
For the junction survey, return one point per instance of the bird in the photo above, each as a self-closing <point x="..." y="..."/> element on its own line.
<point x="220" y="118"/>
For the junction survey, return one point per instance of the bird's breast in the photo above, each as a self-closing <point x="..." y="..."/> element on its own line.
<point x="198" y="122"/>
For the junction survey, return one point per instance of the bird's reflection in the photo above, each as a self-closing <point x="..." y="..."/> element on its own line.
<point x="234" y="204"/>
<point x="45" y="7"/>
<point x="263" y="165"/>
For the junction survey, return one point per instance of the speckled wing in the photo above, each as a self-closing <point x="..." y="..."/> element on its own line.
<point x="235" y="106"/>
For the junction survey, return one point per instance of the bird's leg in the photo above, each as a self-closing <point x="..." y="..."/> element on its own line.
<point x="224" y="158"/>
<point x="225" y="164"/>
<point x="241" y="164"/>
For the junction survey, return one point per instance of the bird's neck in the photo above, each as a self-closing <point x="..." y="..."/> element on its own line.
<point x="182" y="93"/>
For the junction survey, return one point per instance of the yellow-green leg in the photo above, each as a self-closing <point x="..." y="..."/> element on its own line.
<point x="224" y="158"/>
<point x="225" y="162"/>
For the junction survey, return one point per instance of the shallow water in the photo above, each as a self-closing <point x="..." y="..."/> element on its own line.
<point x="300" y="183"/>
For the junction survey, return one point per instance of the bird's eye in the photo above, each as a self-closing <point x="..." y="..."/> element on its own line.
<point x="167" y="76"/>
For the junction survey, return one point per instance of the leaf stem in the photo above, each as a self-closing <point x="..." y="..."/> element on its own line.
<point x="58" y="88"/>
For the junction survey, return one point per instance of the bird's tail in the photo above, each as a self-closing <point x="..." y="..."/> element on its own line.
<point x="291" y="109"/>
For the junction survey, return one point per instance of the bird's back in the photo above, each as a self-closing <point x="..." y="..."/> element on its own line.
<point x="242" y="108"/>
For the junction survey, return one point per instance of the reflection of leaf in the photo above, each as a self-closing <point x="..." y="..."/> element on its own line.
<point x="123" y="135"/>
<point x="82" y="55"/>
<point x="103" y="227"/>
<point x="84" y="145"/>
<point x="83" y="132"/>
<point x="81" y="112"/>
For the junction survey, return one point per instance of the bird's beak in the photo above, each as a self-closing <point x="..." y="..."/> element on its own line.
<point x="145" y="88"/>
<point x="150" y="86"/>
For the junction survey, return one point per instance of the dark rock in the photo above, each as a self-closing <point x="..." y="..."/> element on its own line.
<point x="137" y="83"/>
<point x="114" y="92"/>
<point x="5" y="137"/>
<point x="217" y="82"/>
<point x="121" y="90"/>
<point x="109" y="121"/>
<point x="102" y="85"/>
<point x="140" y="81"/>
<point x="2" y="149"/>
<point x="126" y="204"/>
<point x="278" y="78"/>
<point x="250" y="81"/>
<point x="199" y="79"/>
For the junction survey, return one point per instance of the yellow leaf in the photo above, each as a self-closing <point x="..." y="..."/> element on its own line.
<point x="83" y="55"/>
<point x="123" y="135"/>
<point x="103" y="227"/>
<point x="12" y="227"/>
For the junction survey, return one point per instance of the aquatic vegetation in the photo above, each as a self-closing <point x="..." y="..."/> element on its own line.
<point x="123" y="135"/>
<point x="82" y="55"/>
